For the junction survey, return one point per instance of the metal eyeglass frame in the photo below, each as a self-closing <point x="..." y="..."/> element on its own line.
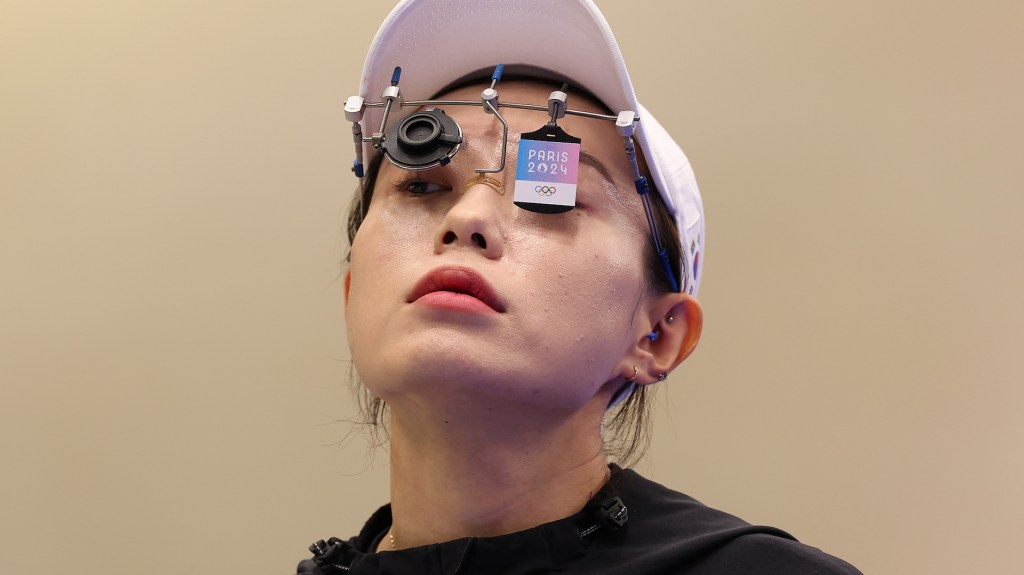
<point x="625" y="122"/>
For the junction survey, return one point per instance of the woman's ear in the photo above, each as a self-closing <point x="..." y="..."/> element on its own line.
<point x="675" y="323"/>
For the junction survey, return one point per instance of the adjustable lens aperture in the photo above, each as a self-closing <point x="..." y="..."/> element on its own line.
<point x="423" y="140"/>
<point x="419" y="133"/>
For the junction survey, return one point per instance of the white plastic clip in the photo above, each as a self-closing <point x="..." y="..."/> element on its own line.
<point x="626" y="123"/>
<point x="489" y="95"/>
<point x="556" y="105"/>
<point x="354" y="108"/>
<point x="389" y="93"/>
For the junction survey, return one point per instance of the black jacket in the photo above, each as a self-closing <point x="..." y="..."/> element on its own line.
<point x="633" y="526"/>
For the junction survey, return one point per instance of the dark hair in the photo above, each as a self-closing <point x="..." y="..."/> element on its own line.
<point x="627" y="426"/>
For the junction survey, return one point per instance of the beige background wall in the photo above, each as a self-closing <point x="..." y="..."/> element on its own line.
<point x="172" y="358"/>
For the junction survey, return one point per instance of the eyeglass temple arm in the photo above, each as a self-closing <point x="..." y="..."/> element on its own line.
<point x="626" y="123"/>
<point x="354" y="108"/>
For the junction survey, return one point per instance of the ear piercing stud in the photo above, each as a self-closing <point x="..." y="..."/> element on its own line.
<point x="636" y="372"/>
<point x="662" y="376"/>
<point x="654" y="334"/>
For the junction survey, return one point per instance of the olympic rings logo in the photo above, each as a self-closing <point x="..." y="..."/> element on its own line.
<point x="545" y="190"/>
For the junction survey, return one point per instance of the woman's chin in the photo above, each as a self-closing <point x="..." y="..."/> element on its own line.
<point x="461" y="385"/>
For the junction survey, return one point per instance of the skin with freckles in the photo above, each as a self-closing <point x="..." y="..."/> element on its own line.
<point x="491" y="406"/>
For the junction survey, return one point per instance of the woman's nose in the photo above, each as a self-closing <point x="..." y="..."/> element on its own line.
<point x="474" y="222"/>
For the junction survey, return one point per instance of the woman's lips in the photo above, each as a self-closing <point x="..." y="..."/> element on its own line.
<point x="458" y="288"/>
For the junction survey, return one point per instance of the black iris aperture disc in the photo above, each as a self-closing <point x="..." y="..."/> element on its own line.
<point x="423" y="140"/>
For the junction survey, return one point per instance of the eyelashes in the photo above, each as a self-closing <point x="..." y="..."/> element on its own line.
<point x="418" y="187"/>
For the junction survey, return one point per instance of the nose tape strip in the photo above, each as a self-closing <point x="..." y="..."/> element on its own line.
<point x="486" y="180"/>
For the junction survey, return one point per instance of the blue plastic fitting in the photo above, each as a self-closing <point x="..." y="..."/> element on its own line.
<point x="641" y="186"/>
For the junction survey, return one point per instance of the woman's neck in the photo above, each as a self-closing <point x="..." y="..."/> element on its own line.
<point x="487" y="475"/>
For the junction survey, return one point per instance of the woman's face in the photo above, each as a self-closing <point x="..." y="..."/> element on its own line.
<point x="546" y="314"/>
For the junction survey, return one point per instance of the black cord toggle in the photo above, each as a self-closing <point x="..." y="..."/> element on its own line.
<point x="614" y="512"/>
<point x="611" y="514"/>
<point x="332" y="555"/>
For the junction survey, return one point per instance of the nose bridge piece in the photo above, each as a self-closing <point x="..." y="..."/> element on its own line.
<point x="481" y="178"/>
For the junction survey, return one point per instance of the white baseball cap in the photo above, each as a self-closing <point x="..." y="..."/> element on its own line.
<point x="438" y="41"/>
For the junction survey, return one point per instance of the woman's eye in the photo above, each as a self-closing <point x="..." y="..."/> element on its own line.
<point x="421" y="188"/>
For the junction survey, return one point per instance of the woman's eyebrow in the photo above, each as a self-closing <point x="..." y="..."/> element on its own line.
<point x="592" y="160"/>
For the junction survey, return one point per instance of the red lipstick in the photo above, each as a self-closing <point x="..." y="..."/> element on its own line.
<point x="456" y="288"/>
